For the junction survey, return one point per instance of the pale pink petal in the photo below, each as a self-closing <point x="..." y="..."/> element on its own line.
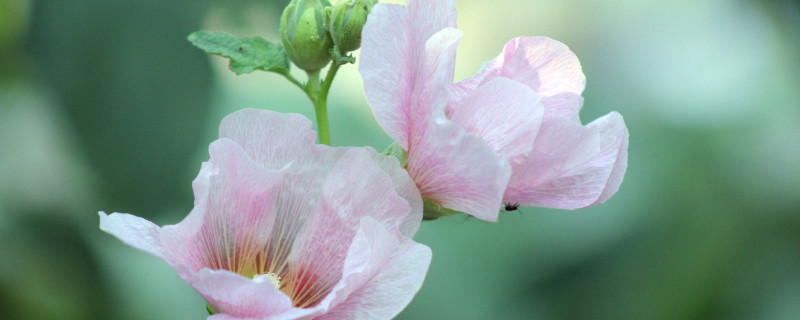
<point x="271" y="139"/>
<point x="232" y="294"/>
<point x="402" y="67"/>
<point x="237" y="218"/>
<point x="356" y="187"/>
<point x="572" y="166"/>
<point x="429" y="16"/>
<point x="376" y="284"/>
<point x="383" y="66"/>
<point x="543" y="64"/>
<point x="405" y="188"/>
<point x="200" y="184"/>
<point x="615" y="145"/>
<point x="504" y="113"/>
<point x="562" y="105"/>
<point x="294" y="314"/>
<point x="359" y="187"/>
<point x="459" y="170"/>
<point x="133" y="231"/>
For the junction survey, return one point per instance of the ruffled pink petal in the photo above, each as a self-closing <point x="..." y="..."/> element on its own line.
<point x="572" y="166"/>
<point x="615" y="143"/>
<point x="562" y="105"/>
<point x="360" y="188"/>
<point x="232" y="226"/>
<point x="382" y="274"/>
<point x="504" y="113"/>
<point x="403" y="64"/>
<point x="270" y="138"/>
<point x="240" y="297"/>
<point x="356" y="187"/>
<point x="459" y="170"/>
<point x="543" y="64"/>
<point x="133" y="231"/>
<point x="405" y="188"/>
<point x="429" y="16"/>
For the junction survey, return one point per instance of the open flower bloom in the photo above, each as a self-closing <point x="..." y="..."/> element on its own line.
<point x="509" y="134"/>
<point x="286" y="229"/>
<point x="570" y="166"/>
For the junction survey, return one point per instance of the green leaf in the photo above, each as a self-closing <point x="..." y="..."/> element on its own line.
<point x="247" y="54"/>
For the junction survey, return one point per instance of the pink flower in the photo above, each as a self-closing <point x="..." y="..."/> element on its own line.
<point x="286" y="229"/>
<point x="407" y="59"/>
<point x="570" y="166"/>
<point x="510" y="134"/>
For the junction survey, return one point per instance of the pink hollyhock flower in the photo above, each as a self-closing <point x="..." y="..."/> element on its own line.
<point x="510" y="134"/>
<point x="286" y="229"/>
<point x="570" y="166"/>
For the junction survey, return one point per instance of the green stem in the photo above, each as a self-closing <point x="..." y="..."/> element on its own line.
<point x="321" y="104"/>
<point x="313" y="83"/>
<point x="321" y="110"/>
<point x="319" y="97"/>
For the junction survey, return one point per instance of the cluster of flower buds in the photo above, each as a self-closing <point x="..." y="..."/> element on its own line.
<point x="311" y="28"/>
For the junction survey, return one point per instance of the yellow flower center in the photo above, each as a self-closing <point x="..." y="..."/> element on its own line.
<point x="272" y="277"/>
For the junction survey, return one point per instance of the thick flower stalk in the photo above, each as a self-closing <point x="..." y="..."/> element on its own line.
<point x="510" y="134"/>
<point x="286" y="229"/>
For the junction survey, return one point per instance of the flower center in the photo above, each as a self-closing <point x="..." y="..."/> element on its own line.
<point x="271" y="277"/>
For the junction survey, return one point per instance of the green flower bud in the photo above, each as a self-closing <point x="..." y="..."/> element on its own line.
<point x="304" y="33"/>
<point x="347" y="19"/>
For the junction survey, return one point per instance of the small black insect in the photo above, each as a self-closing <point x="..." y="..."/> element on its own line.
<point x="241" y="49"/>
<point x="512" y="206"/>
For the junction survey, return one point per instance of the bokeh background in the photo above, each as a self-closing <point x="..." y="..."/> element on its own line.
<point x="105" y="106"/>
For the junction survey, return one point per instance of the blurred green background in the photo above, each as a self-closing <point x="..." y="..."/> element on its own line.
<point x="105" y="106"/>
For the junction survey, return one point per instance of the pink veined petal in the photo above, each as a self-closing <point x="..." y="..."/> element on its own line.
<point x="562" y="105"/>
<point x="572" y="166"/>
<point x="543" y="64"/>
<point x="378" y="285"/>
<point x="236" y="221"/>
<point x="133" y="231"/>
<point x="504" y="113"/>
<point x="429" y="16"/>
<point x="238" y="296"/>
<point x="459" y="170"/>
<point x="427" y="98"/>
<point x="402" y="67"/>
<point x="360" y="188"/>
<point x="383" y="65"/>
<point x="406" y="189"/>
<point x="294" y="314"/>
<point x="355" y="188"/>
<point x="615" y="145"/>
<point x="200" y="184"/>
<point x="271" y="139"/>
<point x="370" y="247"/>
